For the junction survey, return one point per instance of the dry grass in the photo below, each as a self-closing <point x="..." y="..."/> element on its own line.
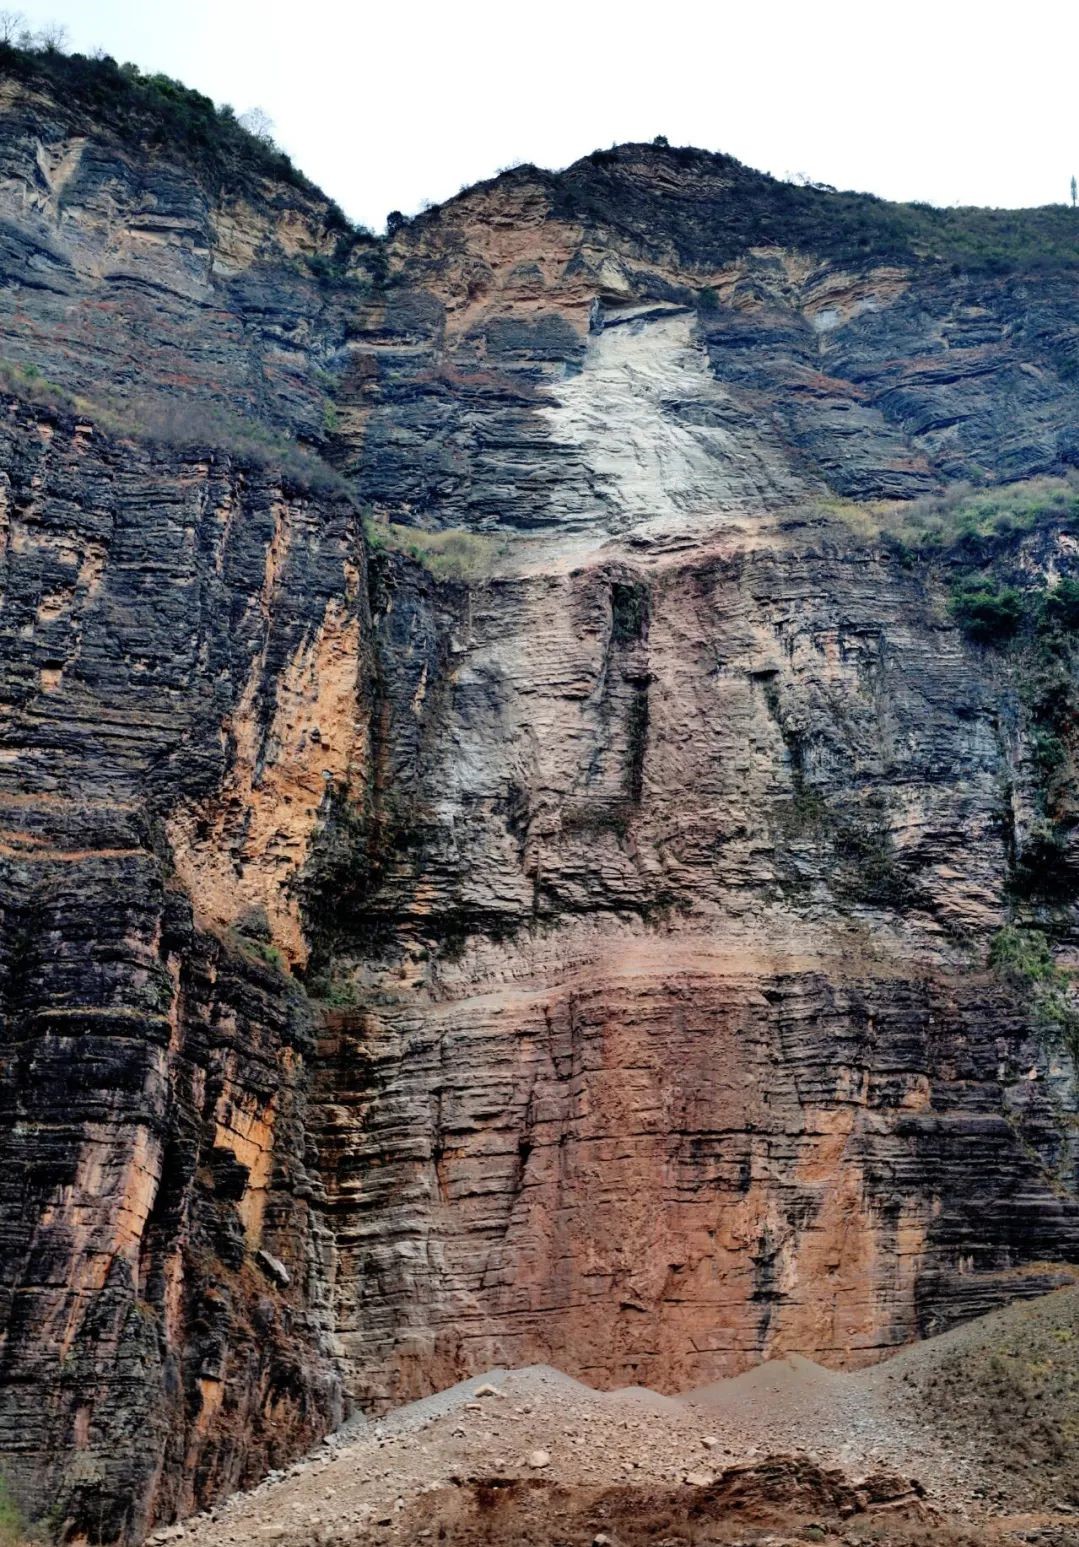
<point x="183" y="424"/>
<point x="452" y="554"/>
<point x="960" y="514"/>
<point x="1005" y="1390"/>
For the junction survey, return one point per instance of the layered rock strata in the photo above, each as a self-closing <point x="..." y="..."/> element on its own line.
<point x="174" y="632"/>
<point x="566" y="941"/>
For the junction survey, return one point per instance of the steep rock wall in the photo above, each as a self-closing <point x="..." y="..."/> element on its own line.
<point x="583" y="958"/>
<point x="167" y="1330"/>
<point x="651" y="1087"/>
<point x="674" y="1044"/>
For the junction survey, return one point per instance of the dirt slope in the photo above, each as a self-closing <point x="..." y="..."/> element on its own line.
<point x="964" y="1438"/>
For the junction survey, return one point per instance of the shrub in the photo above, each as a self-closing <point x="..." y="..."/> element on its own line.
<point x="610" y="815"/>
<point x="629" y="611"/>
<point x="869" y="868"/>
<point x="985" y="611"/>
<point x="13" y="1532"/>
<point x="158" y="112"/>
<point x="1042" y="871"/>
<point x="451" y="554"/>
<point x="1060" y="606"/>
<point x="1022" y="956"/>
<point x="184" y="423"/>
<point x="637" y="740"/>
<point x="27" y="382"/>
<point x="172" y="422"/>
<point x="760" y="210"/>
<point x="257" y="949"/>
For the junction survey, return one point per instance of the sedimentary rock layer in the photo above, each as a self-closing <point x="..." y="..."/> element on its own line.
<point x="576" y="954"/>
<point x="163" y="616"/>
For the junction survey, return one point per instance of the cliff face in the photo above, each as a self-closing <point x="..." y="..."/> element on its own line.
<point x="699" y="814"/>
<point x="566" y="940"/>
<point x="163" y="619"/>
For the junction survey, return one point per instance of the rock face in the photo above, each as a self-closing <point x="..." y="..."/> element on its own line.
<point x="571" y="952"/>
<point x="159" y="615"/>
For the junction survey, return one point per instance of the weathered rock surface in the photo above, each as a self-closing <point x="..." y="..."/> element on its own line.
<point x="155" y="1128"/>
<point x="132" y="274"/>
<point x="580" y="963"/>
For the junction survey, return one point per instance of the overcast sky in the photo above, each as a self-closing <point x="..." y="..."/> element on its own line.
<point x="391" y="103"/>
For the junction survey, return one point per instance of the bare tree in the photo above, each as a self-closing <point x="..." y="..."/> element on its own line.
<point x="1075" y="190"/>
<point x="12" y="23"/>
<point x="258" y="123"/>
<point x="53" y="38"/>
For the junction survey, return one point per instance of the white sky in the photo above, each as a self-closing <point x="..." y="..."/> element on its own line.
<point x="386" y="103"/>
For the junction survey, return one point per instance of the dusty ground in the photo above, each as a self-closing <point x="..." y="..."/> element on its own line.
<point x="964" y="1439"/>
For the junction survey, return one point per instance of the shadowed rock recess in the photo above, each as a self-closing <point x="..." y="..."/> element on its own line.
<point x="502" y="843"/>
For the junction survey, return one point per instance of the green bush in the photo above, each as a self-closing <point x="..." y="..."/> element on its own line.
<point x="1060" y="606"/>
<point x="1023" y="957"/>
<point x="333" y="993"/>
<point x="13" y="1532"/>
<point x="1049" y="752"/>
<point x="987" y="612"/>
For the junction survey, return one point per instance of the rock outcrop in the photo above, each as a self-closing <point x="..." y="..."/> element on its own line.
<point x="162" y="618"/>
<point x="546" y="916"/>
